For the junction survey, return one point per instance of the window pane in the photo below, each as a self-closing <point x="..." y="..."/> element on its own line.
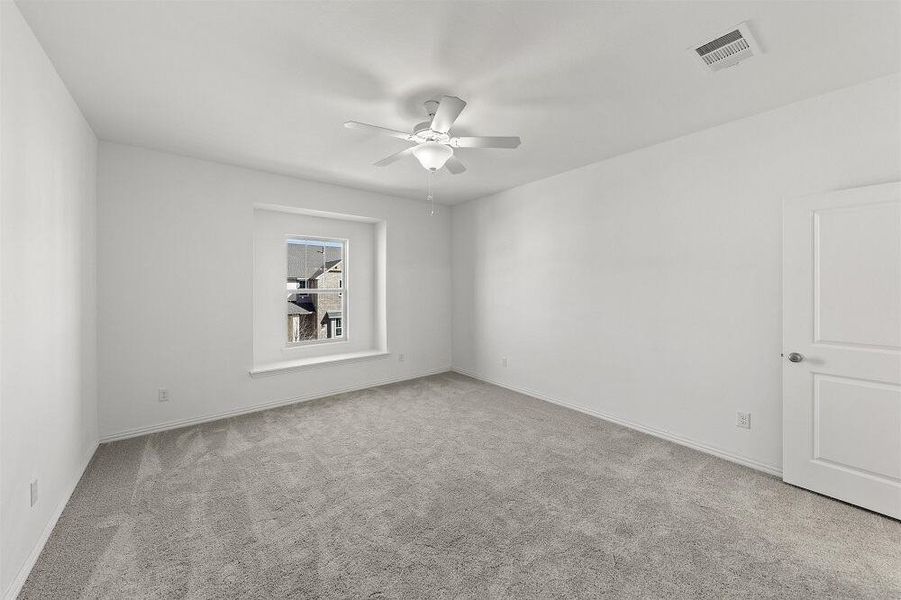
<point x="315" y="264"/>
<point x="314" y="317"/>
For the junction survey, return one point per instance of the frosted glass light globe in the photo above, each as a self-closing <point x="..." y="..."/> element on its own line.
<point x="432" y="155"/>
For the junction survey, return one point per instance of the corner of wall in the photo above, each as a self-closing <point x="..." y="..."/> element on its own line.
<point x="47" y="151"/>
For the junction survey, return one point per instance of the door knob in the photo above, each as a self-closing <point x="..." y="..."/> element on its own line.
<point x="795" y="357"/>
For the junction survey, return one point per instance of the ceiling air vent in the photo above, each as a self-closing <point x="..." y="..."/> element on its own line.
<point x="728" y="49"/>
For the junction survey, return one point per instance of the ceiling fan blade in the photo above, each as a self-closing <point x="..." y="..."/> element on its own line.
<point x="395" y="157"/>
<point x="383" y="130"/>
<point x="449" y="109"/>
<point x="485" y="142"/>
<point x="454" y="165"/>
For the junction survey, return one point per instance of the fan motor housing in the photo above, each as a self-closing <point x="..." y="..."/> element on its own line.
<point x="424" y="132"/>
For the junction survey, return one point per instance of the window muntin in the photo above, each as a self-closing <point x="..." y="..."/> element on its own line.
<point x="316" y="290"/>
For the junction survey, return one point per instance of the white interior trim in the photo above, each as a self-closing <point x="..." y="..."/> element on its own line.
<point x="293" y="365"/>
<point x="297" y="210"/>
<point x="15" y="586"/>
<point x="660" y="433"/>
<point x="138" y="431"/>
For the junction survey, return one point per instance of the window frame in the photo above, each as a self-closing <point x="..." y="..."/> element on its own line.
<point x="343" y="290"/>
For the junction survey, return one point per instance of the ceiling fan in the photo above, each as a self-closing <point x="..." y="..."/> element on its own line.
<point x="433" y="145"/>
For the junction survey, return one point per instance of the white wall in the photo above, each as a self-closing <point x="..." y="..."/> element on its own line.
<point x="647" y="287"/>
<point x="175" y="288"/>
<point x="48" y="410"/>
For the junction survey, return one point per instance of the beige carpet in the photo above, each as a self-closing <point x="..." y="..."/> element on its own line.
<point x="446" y="487"/>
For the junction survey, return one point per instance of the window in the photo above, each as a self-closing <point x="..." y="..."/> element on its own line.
<point x="316" y="290"/>
<point x="303" y="272"/>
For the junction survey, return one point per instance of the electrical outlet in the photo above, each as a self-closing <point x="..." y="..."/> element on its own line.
<point x="743" y="420"/>
<point x="33" y="492"/>
<point x="503" y="361"/>
<point x="163" y="395"/>
<point x="401" y="357"/>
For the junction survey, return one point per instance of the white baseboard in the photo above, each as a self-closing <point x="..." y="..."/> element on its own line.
<point x="16" y="585"/>
<point x="660" y="433"/>
<point x="178" y="423"/>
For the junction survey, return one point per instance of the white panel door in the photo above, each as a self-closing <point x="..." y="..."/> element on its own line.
<point x="841" y="378"/>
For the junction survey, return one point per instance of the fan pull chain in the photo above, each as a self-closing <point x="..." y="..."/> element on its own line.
<point x="431" y="199"/>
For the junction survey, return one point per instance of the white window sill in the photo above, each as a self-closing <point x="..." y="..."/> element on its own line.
<point x="294" y="365"/>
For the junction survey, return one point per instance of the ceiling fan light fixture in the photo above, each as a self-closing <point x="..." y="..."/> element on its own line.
<point x="434" y="144"/>
<point x="432" y="155"/>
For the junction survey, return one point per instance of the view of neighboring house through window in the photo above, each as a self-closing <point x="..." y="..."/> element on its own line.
<point x="316" y="290"/>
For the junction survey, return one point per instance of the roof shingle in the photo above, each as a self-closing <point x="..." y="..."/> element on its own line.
<point x="306" y="261"/>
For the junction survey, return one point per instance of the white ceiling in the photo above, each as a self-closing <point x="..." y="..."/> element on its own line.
<point x="268" y="85"/>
